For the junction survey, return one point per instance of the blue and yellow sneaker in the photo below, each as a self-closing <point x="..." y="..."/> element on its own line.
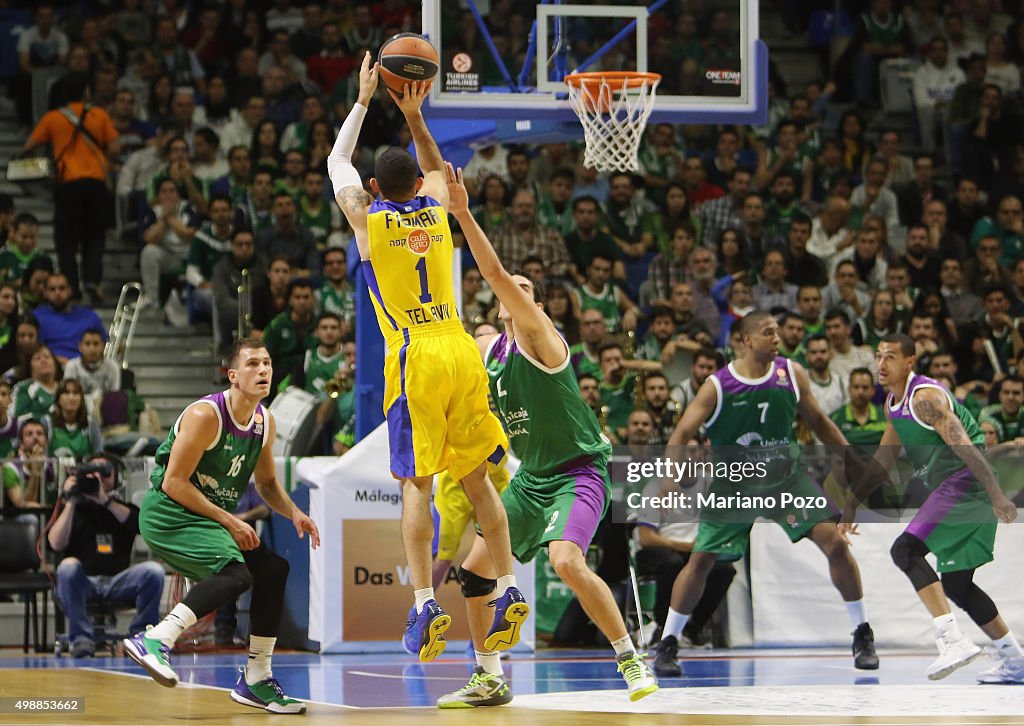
<point x="152" y="655"/>
<point x="265" y="694"/>
<point x="510" y="610"/>
<point x="424" y="633"/>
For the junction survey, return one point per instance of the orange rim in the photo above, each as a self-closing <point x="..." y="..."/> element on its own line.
<point x="615" y="79"/>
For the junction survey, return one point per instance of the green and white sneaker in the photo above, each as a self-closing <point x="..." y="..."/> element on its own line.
<point x="265" y="694"/>
<point x="152" y="655"/>
<point x="639" y="677"/>
<point x="483" y="689"/>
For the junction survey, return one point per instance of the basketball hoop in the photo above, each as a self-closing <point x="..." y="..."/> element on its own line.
<point x="613" y="107"/>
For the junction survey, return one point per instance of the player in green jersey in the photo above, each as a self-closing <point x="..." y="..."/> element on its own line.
<point x="751" y="403"/>
<point x="561" y="491"/>
<point x="202" y="469"/>
<point x="957" y="522"/>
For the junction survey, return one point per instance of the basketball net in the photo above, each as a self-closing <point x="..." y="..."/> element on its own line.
<point x="613" y="108"/>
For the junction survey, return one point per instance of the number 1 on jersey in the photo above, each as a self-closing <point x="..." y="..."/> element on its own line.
<point x="425" y="295"/>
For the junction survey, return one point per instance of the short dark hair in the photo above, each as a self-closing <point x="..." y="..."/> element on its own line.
<point x="328" y="315"/>
<point x="861" y="372"/>
<point x="91" y="331"/>
<point x="787" y="316"/>
<point x="24" y="218"/>
<point x="208" y="135"/>
<point x="992" y="289"/>
<point x="331" y="250"/>
<point x="395" y="171"/>
<point x="655" y="374"/>
<point x="591" y="376"/>
<point x="74" y="86"/>
<point x="817" y="338"/>
<point x="296" y="284"/>
<point x="747" y="324"/>
<point x="707" y="352"/>
<point x="834" y="313"/>
<point x="586" y="198"/>
<point x="739" y="170"/>
<point x="606" y="347"/>
<point x="220" y="198"/>
<point x="800" y="218"/>
<point x="904" y="341"/>
<point x="243" y="344"/>
<point x="567" y="174"/>
<point x="661" y="311"/>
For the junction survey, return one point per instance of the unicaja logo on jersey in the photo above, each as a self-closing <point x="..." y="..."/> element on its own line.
<point x="419" y="241"/>
<point x="749" y="438"/>
<point x="257" y="424"/>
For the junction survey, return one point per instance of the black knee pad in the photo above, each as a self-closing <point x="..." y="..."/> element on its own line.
<point x="475" y="586"/>
<point x="963" y="592"/>
<point x="239" y="575"/>
<point x="908" y="553"/>
<point x="957" y="586"/>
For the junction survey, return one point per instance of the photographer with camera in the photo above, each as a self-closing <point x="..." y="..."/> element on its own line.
<point x="94" y="535"/>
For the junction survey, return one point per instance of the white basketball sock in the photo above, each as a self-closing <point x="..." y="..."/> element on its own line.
<point x="1008" y="646"/>
<point x="180" y="619"/>
<point x="261" y="648"/>
<point x="674" y="624"/>
<point x="858" y="613"/>
<point x="422" y="596"/>
<point x="490" y="662"/>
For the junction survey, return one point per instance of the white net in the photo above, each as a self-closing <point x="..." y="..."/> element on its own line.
<point x="613" y="108"/>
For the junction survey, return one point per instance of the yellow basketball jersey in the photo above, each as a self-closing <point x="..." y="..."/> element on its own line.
<point x="410" y="268"/>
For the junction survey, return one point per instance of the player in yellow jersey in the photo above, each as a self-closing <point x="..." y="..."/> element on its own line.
<point x="435" y="386"/>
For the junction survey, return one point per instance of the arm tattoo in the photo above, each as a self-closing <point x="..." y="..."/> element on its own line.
<point x="953" y="434"/>
<point x="927" y="411"/>
<point x="354" y="199"/>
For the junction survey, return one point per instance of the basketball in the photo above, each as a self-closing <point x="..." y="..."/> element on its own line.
<point x="407" y="57"/>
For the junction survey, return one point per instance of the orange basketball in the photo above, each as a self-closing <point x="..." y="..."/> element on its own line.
<point x="407" y="57"/>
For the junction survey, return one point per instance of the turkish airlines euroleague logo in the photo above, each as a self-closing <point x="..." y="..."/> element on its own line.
<point x="419" y="241"/>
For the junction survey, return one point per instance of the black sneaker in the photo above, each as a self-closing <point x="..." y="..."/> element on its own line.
<point x="666" y="658"/>
<point x="864" y="656"/>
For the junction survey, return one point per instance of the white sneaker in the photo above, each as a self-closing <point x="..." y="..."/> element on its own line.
<point x="176" y="310"/>
<point x="952" y="655"/>
<point x="1008" y="671"/>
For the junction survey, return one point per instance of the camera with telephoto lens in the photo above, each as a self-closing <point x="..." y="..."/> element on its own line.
<point x="88" y="478"/>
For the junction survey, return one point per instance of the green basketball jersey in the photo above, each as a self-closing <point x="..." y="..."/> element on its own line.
<point x="320" y="369"/>
<point x="864" y="435"/>
<point x="70" y="440"/>
<point x="224" y="470"/>
<point x="604" y="302"/>
<point x="933" y="460"/>
<point x="1008" y="428"/>
<point x="31" y="400"/>
<point x="547" y="422"/>
<point x="756" y="414"/>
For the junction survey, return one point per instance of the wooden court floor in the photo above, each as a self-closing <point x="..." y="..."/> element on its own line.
<point x="121" y="699"/>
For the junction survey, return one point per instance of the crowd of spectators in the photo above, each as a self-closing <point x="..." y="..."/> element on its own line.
<point x="217" y="119"/>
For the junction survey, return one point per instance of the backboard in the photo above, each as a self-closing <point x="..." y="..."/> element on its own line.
<point x="504" y="61"/>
